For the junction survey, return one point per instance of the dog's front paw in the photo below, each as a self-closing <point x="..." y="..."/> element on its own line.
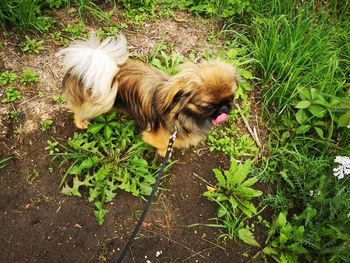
<point x="81" y="123"/>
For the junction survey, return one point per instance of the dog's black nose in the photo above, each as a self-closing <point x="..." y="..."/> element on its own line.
<point x="224" y="109"/>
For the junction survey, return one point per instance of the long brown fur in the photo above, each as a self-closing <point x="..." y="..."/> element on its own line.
<point x="158" y="102"/>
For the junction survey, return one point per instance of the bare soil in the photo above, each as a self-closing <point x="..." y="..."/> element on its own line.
<point x="39" y="224"/>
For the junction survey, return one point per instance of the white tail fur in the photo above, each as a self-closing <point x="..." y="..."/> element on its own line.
<point x="96" y="62"/>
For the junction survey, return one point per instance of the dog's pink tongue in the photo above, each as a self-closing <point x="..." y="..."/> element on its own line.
<point x="222" y="117"/>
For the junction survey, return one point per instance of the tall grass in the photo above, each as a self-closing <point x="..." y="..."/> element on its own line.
<point x="304" y="46"/>
<point x="295" y="51"/>
<point x="22" y="14"/>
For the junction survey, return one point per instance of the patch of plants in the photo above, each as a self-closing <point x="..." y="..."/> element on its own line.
<point x="107" y="158"/>
<point x="7" y="77"/>
<point x="166" y="63"/>
<point x="45" y="125"/>
<point x="29" y="77"/>
<point x="11" y="94"/>
<point x="32" y="45"/>
<point x="233" y="194"/>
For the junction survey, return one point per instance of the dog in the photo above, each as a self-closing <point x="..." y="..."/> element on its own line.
<point x="100" y="75"/>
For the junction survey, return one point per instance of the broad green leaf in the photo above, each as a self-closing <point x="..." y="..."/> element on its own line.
<point x="67" y="190"/>
<point x="221" y="197"/>
<point x="304" y="93"/>
<point x="100" y="214"/>
<point x="241" y="172"/>
<point x="319" y="131"/>
<point x="100" y="118"/>
<point x="86" y="164"/>
<point x="299" y="231"/>
<point x="74" y="170"/>
<point x="221" y="211"/>
<point x="281" y="219"/>
<point x="102" y="173"/>
<point x="247" y="237"/>
<point x="297" y="248"/>
<point x="269" y="251"/>
<point x="320" y="123"/>
<point x="301" y="116"/>
<point x="233" y="203"/>
<point x="111" y="116"/>
<point x="219" y="176"/>
<point x="248" y="208"/>
<point x="283" y="239"/>
<point x="249" y="192"/>
<point x="93" y="194"/>
<point x="246" y="74"/>
<point x="303" y="104"/>
<point x="109" y="195"/>
<point x="317" y="110"/>
<point x="321" y="101"/>
<point x="303" y="129"/>
<point x="250" y="181"/>
<point x="344" y="120"/>
<point x="95" y="127"/>
<point x="156" y="62"/>
<point x="107" y="132"/>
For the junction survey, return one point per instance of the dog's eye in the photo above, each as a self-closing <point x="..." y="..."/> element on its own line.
<point x="207" y="107"/>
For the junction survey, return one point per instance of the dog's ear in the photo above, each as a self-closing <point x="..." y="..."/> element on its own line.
<point x="179" y="101"/>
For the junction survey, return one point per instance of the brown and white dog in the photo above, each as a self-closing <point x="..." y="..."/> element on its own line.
<point x="100" y="75"/>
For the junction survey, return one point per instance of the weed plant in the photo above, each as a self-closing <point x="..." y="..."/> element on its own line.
<point x="107" y="158"/>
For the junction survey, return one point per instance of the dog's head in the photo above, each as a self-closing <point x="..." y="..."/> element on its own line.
<point x="203" y="94"/>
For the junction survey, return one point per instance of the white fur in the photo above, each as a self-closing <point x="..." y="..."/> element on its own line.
<point x="96" y="62"/>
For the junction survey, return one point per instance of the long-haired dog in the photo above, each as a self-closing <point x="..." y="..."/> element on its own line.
<point x="99" y="74"/>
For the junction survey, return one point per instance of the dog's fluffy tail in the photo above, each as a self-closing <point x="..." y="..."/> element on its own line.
<point x="95" y="62"/>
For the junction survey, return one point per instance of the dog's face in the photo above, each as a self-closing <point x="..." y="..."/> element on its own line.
<point x="208" y="98"/>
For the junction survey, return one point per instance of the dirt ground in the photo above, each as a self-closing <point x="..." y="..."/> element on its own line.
<point x="39" y="224"/>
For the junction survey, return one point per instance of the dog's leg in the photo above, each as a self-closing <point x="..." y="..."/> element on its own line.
<point x="158" y="139"/>
<point x="80" y="122"/>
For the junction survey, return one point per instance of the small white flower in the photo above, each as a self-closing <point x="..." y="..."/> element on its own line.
<point x="311" y="192"/>
<point x="158" y="253"/>
<point x="343" y="167"/>
<point x="348" y="215"/>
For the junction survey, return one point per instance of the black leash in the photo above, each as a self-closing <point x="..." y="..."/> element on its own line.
<point x="150" y="199"/>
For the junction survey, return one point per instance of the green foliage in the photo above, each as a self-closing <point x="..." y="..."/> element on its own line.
<point x="45" y="125"/>
<point x="7" y="77"/>
<point x="75" y="31"/>
<point x="32" y="45"/>
<point x="56" y="3"/>
<point x="302" y="60"/>
<point x="27" y="14"/>
<point x="233" y="194"/>
<point x="52" y="147"/>
<point x="59" y="99"/>
<point x="3" y="162"/>
<point x="164" y="62"/>
<point x="317" y="110"/>
<point x="285" y="240"/>
<point x="88" y="6"/>
<point x="221" y="8"/>
<point x="29" y="77"/>
<point x="110" y="156"/>
<point x="11" y="95"/>
<point x="229" y="141"/>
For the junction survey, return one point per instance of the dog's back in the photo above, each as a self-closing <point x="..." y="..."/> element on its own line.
<point x="91" y="66"/>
